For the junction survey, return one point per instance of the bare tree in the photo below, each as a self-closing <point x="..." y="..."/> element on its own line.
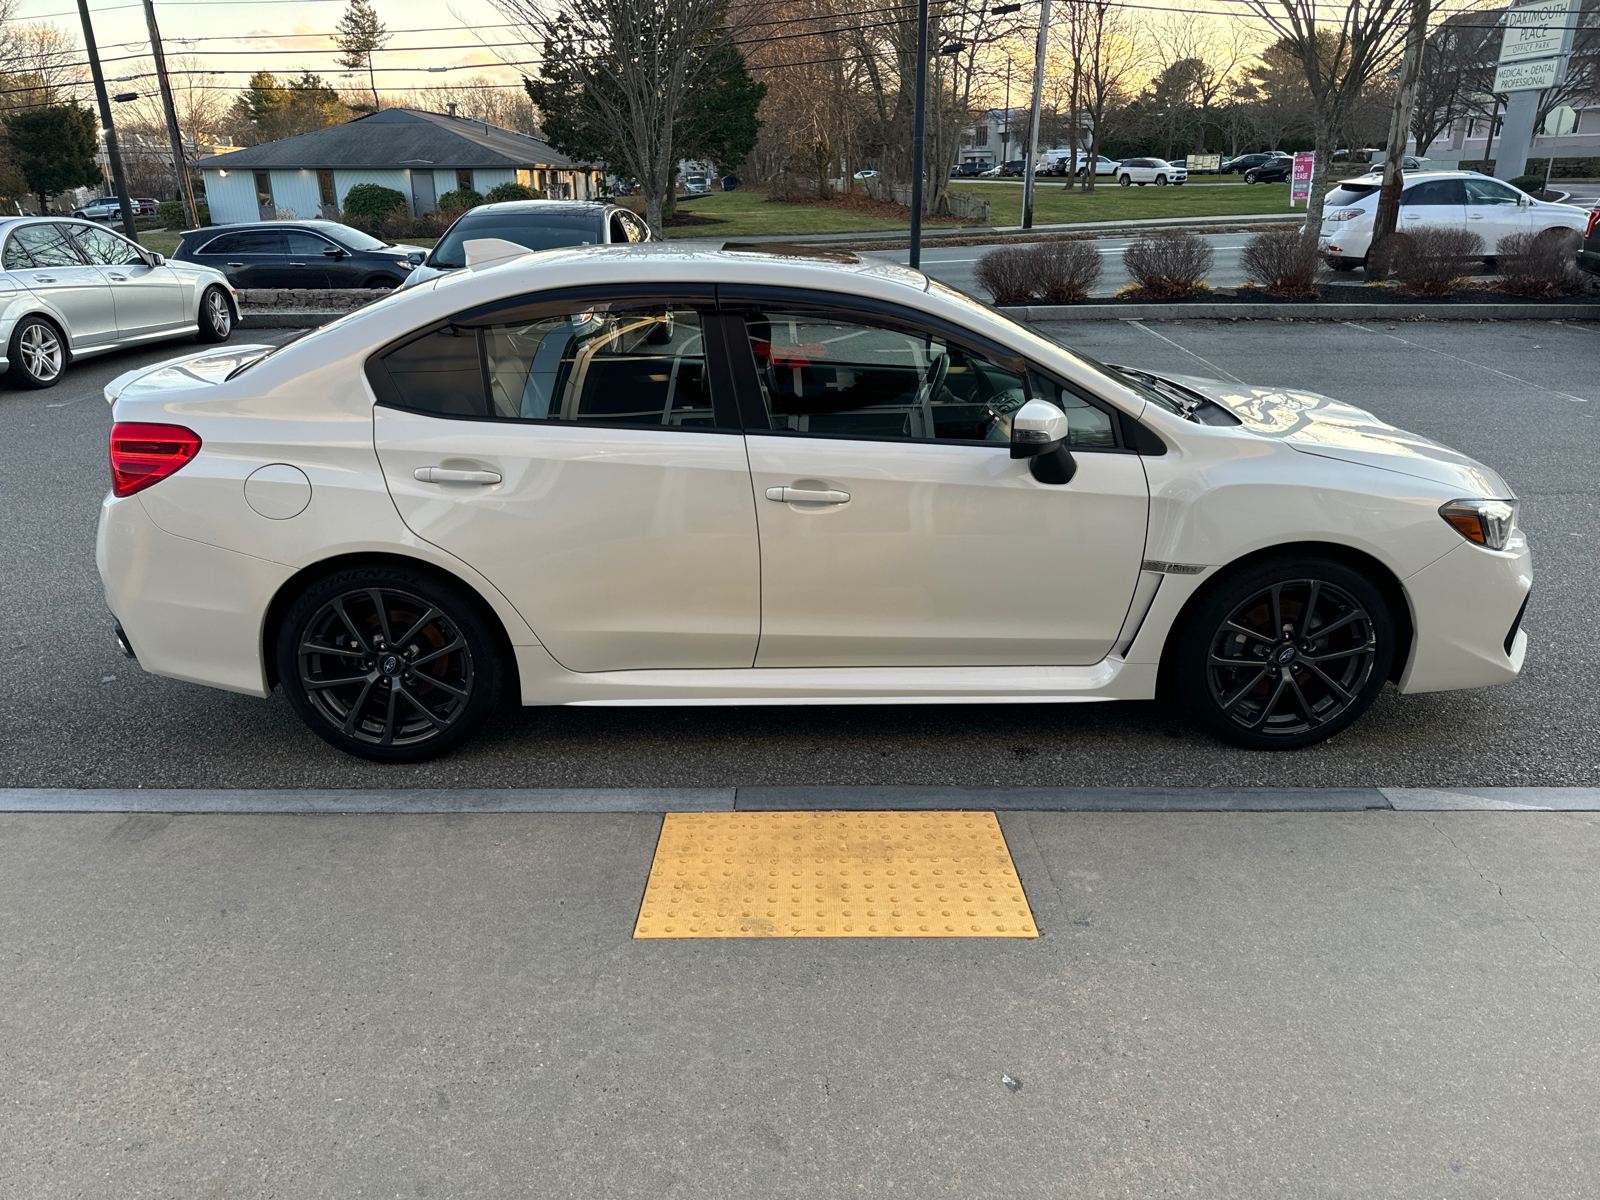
<point x="478" y="99"/>
<point x="1339" y="52"/>
<point x="1110" y="52"/>
<point x="636" y="62"/>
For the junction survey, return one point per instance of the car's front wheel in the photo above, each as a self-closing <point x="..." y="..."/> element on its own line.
<point x="38" y="353"/>
<point x="1125" y="180"/>
<point x="389" y="663"/>
<point x="1161" y="181"/>
<point x="216" y="316"/>
<point x="1283" y="654"/>
<point x="1250" y="176"/>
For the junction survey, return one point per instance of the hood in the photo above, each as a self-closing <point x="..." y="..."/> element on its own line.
<point x="181" y="374"/>
<point x="1328" y="428"/>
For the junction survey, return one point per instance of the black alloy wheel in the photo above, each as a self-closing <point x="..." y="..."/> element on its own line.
<point x="1286" y="654"/>
<point x="388" y="663"/>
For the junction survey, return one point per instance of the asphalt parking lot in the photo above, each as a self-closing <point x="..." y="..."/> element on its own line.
<point x="1520" y="395"/>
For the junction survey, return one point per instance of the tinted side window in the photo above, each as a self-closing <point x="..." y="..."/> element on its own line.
<point x="440" y="372"/>
<point x="47" y="246"/>
<point x="307" y="243"/>
<point x="1435" y="191"/>
<point x="1487" y="191"/>
<point x="256" y="242"/>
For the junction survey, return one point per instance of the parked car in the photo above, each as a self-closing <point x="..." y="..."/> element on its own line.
<point x="1239" y="164"/>
<point x="697" y="185"/>
<point x="967" y="170"/>
<point x="1274" y="171"/>
<point x="535" y="224"/>
<point x="1102" y="165"/>
<point x="1013" y="169"/>
<point x="1453" y="199"/>
<point x="298" y="254"/>
<point x="70" y="289"/>
<point x="1149" y="170"/>
<point x="109" y="208"/>
<point x="1589" y="255"/>
<point x="664" y="477"/>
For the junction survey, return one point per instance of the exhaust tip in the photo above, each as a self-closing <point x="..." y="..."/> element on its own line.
<point x="122" y="640"/>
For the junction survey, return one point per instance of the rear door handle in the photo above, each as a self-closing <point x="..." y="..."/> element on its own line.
<point x="451" y="475"/>
<point x="789" y="495"/>
<point x="45" y="278"/>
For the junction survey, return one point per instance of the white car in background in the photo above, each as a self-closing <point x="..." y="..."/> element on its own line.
<point x="667" y="476"/>
<point x="1490" y="208"/>
<point x="70" y="289"/>
<point x="1149" y="170"/>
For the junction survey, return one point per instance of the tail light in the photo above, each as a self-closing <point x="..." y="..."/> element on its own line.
<point x="1594" y="219"/>
<point x="145" y="454"/>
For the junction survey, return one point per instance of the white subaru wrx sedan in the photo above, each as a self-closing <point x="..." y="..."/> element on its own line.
<point x="653" y="475"/>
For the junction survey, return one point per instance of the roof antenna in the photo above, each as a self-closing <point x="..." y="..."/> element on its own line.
<point x="451" y="107"/>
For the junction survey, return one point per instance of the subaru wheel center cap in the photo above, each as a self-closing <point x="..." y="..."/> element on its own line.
<point x="1286" y="654"/>
<point x="391" y="664"/>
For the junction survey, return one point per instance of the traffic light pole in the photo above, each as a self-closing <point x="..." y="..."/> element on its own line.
<point x="112" y="154"/>
<point x="185" y="191"/>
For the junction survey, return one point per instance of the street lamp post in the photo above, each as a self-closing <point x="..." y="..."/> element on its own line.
<point x="917" y="172"/>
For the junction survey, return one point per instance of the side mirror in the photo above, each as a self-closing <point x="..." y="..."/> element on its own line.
<point x="1039" y="433"/>
<point x="415" y="257"/>
<point x="156" y="260"/>
<point x="333" y="252"/>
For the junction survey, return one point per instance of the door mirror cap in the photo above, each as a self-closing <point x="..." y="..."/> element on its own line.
<point x="154" y="259"/>
<point x="333" y="252"/>
<point x="1523" y="200"/>
<point x="1038" y="427"/>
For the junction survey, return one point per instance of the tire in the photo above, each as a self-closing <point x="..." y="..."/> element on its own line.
<point x="1249" y="176"/>
<point x="38" y="353"/>
<point x="1570" y="241"/>
<point x="215" y="317"/>
<point x="1125" y="180"/>
<point x="1288" y="691"/>
<point x="382" y="283"/>
<point x="422" y="666"/>
<point x="1161" y="181"/>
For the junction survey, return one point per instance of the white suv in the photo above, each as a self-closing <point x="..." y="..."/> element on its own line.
<point x="1149" y="170"/>
<point x="1455" y="199"/>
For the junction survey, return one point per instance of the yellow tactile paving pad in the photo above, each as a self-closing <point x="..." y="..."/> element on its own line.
<point x="833" y="874"/>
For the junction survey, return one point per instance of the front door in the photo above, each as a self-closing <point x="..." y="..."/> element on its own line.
<point x="145" y="299"/>
<point x="897" y="531"/>
<point x="1494" y="211"/>
<point x="586" y="460"/>
<point x="312" y="260"/>
<point x="423" y="197"/>
<point x="46" y="261"/>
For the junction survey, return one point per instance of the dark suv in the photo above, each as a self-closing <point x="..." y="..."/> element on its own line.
<point x="1246" y="162"/>
<point x="298" y="254"/>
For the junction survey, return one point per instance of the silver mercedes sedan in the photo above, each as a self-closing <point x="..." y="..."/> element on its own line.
<point x="70" y="289"/>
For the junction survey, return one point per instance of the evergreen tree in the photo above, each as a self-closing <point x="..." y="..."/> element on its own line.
<point x="359" y="33"/>
<point x="55" y="148"/>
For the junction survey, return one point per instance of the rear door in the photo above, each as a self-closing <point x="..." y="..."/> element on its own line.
<point x="896" y="530"/>
<point x="250" y="258"/>
<point x="1433" y="202"/>
<point x="584" y="454"/>
<point x="44" y="258"/>
<point x="145" y="299"/>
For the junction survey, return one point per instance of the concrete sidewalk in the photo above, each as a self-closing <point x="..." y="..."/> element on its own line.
<point x="1238" y="1006"/>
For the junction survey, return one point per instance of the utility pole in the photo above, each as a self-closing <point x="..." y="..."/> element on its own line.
<point x="1405" y="96"/>
<point x="112" y="154"/>
<point x="185" y="193"/>
<point x="915" y="259"/>
<point x="1033" y="122"/>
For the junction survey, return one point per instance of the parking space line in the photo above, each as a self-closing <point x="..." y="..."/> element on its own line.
<point x="833" y="874"/>
<point x="1475" y="366"/>
<point x="1139" y="324"/>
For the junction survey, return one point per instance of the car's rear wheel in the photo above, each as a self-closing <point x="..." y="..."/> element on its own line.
<point x="38" y="353"/>
<point x="389" y="663"/>
<point x="1283" y="654"/>
<point x="216" y="316"/>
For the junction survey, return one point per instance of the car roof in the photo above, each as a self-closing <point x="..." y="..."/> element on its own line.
<point x="236" y="226"/>
<point x="595" y="207"/>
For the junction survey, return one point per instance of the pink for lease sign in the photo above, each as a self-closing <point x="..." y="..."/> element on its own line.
<point x="1300" y="189"/>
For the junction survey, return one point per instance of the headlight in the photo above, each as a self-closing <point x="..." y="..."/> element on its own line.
<point x="1485" y="522"/>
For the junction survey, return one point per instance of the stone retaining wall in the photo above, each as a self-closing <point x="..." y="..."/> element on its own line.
<point x="303" y="299"/>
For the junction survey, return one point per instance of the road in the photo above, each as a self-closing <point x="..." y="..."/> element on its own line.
<point x="957" y="265"/>
<point x="1522" y="396"/>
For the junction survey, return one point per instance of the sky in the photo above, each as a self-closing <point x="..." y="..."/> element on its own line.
<point x="206" y="30"/>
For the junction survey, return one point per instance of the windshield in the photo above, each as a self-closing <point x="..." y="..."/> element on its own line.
<point x="1348" y="193"/>
<point x="354" y="239"/>
<point x="536" y="231"/>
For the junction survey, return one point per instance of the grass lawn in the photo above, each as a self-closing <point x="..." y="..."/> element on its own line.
<point x="747" y="214"/>
<point x="1111" y="202"/>
<point x="162" y="241"/>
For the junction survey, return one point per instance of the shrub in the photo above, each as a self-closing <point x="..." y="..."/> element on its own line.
<point x="372" y="202"/>
<point x="1051" y="272"/>
<point x="1528" y="183"/>
<point x="1540" y="264"/>
<point x="1168" y="265"/>
<point x="453" y="204"/>
<point x="1278" y="262"/>
<point x="1431" y="261"/>
<point x="169" y="214"/>
<point x="512" y="191"/>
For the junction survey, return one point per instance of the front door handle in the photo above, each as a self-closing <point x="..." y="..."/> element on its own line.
<point x="45" y="278"/>
<point x="451" y="475"/>
<point x="120" y="278"/>
<point x="235" y="264"/>
<point x="789" y="495"/>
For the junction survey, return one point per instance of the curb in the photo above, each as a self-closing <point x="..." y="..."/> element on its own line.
<point x="789" y="799"/>
<point x="1134" y="311"/>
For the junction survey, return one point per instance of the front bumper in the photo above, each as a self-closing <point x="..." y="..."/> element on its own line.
<point x="1466" y="610"/>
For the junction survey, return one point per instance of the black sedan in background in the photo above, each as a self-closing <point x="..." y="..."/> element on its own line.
<point x="1246" y="162"/>
<point x="298" y="254"/>
<point x="1275" y="171"/>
